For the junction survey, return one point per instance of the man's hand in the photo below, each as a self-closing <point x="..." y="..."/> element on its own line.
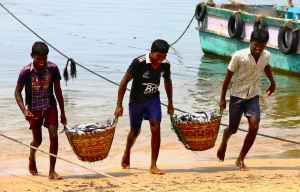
<point x="119" y="111"/>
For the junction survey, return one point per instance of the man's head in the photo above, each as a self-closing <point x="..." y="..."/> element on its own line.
<point x="39" y="54"/>
<point x="258" y="40"/>
<point x="159" y="50"/>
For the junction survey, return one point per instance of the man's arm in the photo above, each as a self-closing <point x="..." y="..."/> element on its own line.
<point x="225" y="86"/>
<point x="269" y="74"/>
<point x="169" y="91"/>
<point x="60" y="100"/>
<point x="19" y="99"/>
<point x="121" y="92"/>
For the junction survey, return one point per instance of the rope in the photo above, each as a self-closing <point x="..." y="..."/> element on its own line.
<point x="239" y="11"/>
<point x="260" y="16"/>
<point x="101" y="173"/>
<point x="183" y="32"/>
<point x="297" y="29"/>
<point x="286" y="21"/>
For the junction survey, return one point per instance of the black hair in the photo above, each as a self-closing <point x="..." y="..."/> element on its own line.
<point x="40" y="48"/>
<point x="160" y="45"/>
<point x="260" y="35"/>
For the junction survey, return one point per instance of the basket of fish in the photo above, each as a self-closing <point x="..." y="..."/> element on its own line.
<point x="197" y="131"/>
<point x="92" y="141"/>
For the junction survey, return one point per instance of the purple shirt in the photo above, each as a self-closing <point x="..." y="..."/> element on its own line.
<point x="39" y="87"/>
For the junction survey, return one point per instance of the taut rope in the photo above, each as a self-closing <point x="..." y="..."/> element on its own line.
<point x="101" y="173"/>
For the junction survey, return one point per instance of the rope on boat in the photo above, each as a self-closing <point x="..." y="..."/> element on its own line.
<point x="101" y="173"/>
<point x="70" y="59"/>
<point x="260" y="16"/>
<point x="183" y="32"/>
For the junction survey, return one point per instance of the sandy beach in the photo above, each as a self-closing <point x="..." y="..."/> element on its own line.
<point x="265" y="175"/>
<point x="185" y="170"/>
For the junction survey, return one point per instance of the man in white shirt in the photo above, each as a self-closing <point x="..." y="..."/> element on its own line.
<point x="247" y="65"/>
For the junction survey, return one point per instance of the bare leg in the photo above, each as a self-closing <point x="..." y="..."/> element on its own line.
<point x="222" y="149"/>
<point x="131" y="138"/>
<point x="248" y="142"/>
<point x="36" y="142"/>
<point x="155" y="145"/>
<point x="53" y="150"/>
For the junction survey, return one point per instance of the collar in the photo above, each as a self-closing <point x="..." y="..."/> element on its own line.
<point x="148" y="61"/>
<point x="249" y="52"/>
<point x="48" y="65"/>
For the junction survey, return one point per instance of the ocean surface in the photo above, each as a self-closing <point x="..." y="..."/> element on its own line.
<point x="105" y="36"/>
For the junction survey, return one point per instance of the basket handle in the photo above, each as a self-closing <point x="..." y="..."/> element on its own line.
<point x="175" y="125"/>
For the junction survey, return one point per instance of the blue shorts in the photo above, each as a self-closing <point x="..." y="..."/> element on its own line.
<point x="238" y="106"/>
<point x="147" y="110"/>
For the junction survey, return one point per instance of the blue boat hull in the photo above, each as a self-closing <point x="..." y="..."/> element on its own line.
<point x="226" y="46"/>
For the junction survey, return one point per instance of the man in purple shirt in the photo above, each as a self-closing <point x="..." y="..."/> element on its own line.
<point x="41" y="79"/>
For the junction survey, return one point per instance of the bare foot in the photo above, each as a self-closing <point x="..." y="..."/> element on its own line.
<point x="32" y="166"/>
<point x="125" y="163"/>
<point x="54" y="175"/>
<point x="221" y="153"/>
<point x="156" y="171"/>
<point x="241" y="165"/>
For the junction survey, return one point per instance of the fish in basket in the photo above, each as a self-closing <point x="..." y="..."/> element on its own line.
<point x="197" y="131"/>
<point x="91" y="142"/>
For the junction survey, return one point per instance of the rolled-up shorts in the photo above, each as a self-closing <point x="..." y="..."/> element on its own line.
<point x="44" y="117"/>
<point x="238" y="106"/>
<point x="147" y="110"/>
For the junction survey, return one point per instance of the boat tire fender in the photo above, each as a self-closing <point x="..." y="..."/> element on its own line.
<point x="200" y="12"/>
<point x="282" y="44"/>
<point x="235" y="25"/>
<point x="261" y="23"/>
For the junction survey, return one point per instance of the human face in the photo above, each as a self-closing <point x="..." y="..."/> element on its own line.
<point x="157" y="57"/>
<point x="257" y="48"/>
<point x="39" y="61"/>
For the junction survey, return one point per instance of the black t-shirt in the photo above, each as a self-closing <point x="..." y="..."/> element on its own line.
<point x="146" y="79"/>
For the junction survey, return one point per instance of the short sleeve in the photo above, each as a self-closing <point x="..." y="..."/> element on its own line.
<point x="233" y="64"/>
<point x="167" y="73"/>
<point x="23" y="77"/>
<point x="55" y="74"/>
<point x="133" y="67"/>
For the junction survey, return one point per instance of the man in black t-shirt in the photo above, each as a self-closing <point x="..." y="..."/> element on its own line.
<point x="144" y="103"/>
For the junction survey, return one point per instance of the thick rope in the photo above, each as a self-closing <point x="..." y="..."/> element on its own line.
<point x="127" y="88"/>
<point x="183" y="32"/>
<point x="101" y="173"/>
<point x="260" y="16"/>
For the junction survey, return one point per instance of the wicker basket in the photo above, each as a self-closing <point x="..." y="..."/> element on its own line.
<point x="92" y="146"/>
<point x="197" y="136"/>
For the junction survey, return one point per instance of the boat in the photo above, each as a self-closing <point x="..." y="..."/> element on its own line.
<point x="226" y="28"/>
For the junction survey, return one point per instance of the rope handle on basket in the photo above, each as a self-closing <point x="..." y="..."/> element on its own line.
<point x="175" y="125"/>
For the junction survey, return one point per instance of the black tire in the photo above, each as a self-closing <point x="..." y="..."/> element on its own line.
<point x="235" y="26"/>
<point x="261" y="23"/>
<point x="282" y="44"/>
<point x="200" y="12"/>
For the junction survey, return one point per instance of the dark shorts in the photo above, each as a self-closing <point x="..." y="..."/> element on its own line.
<point x="44" y="117"/>
<point x="148" y="110"/>
<point x="238" y="106"/>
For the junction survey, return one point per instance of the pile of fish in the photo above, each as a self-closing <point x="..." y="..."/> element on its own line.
<point x="89" y="127"/>
<point x="200" y="116"/>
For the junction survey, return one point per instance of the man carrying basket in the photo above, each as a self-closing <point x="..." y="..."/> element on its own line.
<point x="247" y="65"/>
<point x="144" y="103"/>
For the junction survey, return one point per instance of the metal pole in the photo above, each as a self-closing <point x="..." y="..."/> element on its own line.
<point x="289" y="2"/>
<point x="210" y="2"/>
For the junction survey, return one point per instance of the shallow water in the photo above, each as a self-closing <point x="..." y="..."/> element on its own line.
<point x="105" y="36"/>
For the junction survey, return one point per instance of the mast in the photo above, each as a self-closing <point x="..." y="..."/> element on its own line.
<point x="289" y="3"/>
